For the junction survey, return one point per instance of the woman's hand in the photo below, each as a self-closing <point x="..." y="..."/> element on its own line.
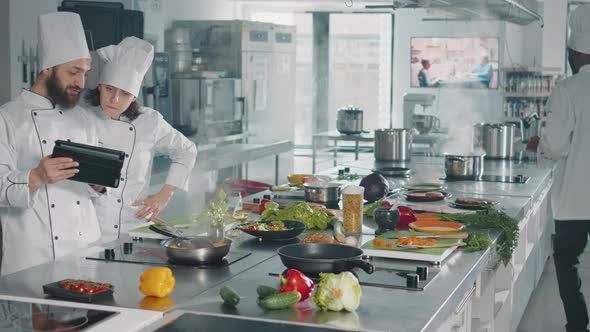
<point x="154" y="204"/>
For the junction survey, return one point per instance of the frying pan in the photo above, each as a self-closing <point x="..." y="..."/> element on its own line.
<point x="313" y="258"/>
<point x="193" y="250"/>
<point x="294" y="229"/>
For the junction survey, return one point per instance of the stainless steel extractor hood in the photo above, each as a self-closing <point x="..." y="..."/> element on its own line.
<point x="522" y="12"/>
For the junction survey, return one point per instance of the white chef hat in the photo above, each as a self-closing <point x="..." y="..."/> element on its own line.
<point x="579" y="23"/>
<point x="61" y="39"/>
<point x="126" y="64"/>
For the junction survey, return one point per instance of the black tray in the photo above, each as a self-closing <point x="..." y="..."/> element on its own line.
<point x="56" y="289"/>
<point x="98" y="165"/>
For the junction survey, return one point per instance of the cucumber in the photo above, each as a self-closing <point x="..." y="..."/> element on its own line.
<point x="264" y="291"/>
<point x="229" y="295"/>
<point x="279" y="301"/>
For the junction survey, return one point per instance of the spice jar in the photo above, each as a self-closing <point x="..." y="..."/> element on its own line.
<point x="352" y="201"/>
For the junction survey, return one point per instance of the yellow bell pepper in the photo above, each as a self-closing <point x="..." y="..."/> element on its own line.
<point x="157" y="281"/>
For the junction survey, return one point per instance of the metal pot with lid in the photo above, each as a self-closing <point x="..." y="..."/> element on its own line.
<point x="349" y="120"/>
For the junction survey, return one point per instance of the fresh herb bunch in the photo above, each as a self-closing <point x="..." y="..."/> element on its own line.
<point x="217" y="209"/>
<point x="492" y="219"/>
<point x="477" y="242"/>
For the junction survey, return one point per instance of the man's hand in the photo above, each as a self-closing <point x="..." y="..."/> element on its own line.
<point x="52" y="170"/>
<point x="533" y="144"/>
<point x="153" y="204"/>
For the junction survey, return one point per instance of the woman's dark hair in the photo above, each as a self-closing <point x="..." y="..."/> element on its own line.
<point x="132" y="112"/>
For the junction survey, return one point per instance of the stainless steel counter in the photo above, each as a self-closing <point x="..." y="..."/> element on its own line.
<point x="226" y="156"/>
<point x="381" y="308"/>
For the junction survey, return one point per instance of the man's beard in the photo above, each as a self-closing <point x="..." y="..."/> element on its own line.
<point x="59" y="95"/>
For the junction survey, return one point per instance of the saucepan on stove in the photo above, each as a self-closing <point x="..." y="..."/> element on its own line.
<point x="313" y="258"/>
<point x="322" y="192"/>
<point x="467" y="166"/>
<point x="193" y="250"/>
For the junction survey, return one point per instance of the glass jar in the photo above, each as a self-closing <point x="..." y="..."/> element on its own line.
<point x="352" y="201"/>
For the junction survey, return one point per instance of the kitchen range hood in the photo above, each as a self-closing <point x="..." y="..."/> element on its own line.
<point x="521" y="12"/>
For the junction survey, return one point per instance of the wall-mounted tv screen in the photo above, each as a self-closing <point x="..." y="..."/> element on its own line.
<point x="454" y="62"/>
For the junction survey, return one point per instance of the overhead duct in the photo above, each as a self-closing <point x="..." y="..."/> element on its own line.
<point x="521" y="12"/>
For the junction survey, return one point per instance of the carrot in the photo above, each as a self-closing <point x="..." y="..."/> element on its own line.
<point x="389" y="245"/>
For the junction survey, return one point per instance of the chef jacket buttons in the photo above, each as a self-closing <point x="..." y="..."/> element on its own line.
<point x="130" y="128"/>
<point x="422" y="272"/>
<point x="118" y="201"/>
<point x="60" y="112"/>
<point x="109" y="253"/>
<point x="78" y="202"/>
<point x="35" y="113"/>
<point x="126" y="155"/>
<point x="80" y="233"/>
<point x="52" y="206"/>
<point x="116" y="226"/>
<point x="122" y="179"/>
<point x="412" y="280"/>
<point x="44" y="141"/>
<point x="56" y="237"/>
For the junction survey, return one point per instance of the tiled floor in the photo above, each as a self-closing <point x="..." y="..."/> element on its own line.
<point x="544" y="312"/>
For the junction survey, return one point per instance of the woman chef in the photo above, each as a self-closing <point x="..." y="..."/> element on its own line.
<point x="139" y="131"/>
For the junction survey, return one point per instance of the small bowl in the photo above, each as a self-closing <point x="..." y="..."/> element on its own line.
<point x="386" y="218"/>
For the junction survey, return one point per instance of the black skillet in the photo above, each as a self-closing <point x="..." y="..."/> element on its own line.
<point x="313" y="258"/>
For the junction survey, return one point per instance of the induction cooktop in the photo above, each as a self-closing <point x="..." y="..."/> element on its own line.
<point x="519" y="179"/>
<point x="26" y="316"/>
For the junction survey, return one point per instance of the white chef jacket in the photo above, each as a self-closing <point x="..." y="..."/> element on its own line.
<point x="567" y="138"/>
<point x="56" y="219"/>
<point x="141" y="139"/>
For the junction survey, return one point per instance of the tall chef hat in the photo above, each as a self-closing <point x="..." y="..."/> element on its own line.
<point x="579" y="23"/>
<point x="61" y="39"/>
<point x="126" y="64"/>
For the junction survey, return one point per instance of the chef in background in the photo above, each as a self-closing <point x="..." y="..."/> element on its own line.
<point x="566" y="138"/>
<point x="484" y="70"/>
<point x="139" y="131"/>
<point x="44" y="217"/>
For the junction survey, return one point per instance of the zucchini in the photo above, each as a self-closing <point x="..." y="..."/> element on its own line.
<point x="279" y="301"/>
<point x="338" y="230"/>
<point x="229" y="295"/>
<point x="264" y="291"/>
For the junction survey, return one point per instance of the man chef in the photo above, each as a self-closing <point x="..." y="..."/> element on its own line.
<point x="566" y="138"/>
<point x="43" y="215"/>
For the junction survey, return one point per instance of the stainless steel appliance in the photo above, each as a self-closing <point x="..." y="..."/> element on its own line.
<point x="208" y="107"/>
<point x="349" y="120"/>
<point x="393" y="144"/>
<point x="411" y="100"/>
<point x="325" y="193"/>
<point x="498" y="140"/>
<point x="468" y="166"/>
<point x="260" y="60"/>
<point x="425" y="123"/>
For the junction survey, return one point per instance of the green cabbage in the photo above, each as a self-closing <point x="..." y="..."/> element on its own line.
<point x="337" y="292"/>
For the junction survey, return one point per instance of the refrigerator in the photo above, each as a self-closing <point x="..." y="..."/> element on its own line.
<point x="261" y="58"/>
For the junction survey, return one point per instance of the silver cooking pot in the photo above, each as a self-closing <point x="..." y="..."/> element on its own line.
<point x="498" y="140"/>
<point x="464" y="166"/>
<point x="393" y="144"/>
<point x="425" y="123"/>
<point x="349" y="120"/>
<point x="324" y="193"/>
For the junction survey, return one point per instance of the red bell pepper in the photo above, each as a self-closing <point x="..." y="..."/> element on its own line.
<point x="386" y="204"/>
<point x="406" y="215"/>
<point x="295" y="281"/>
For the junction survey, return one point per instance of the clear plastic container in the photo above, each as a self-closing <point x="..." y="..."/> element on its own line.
<point x="352" y="200"/>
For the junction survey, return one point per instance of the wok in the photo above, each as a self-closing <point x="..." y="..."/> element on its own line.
<point x="313" y="258"/>
<point x="193" y="250"/>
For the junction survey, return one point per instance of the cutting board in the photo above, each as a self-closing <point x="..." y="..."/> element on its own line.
<point x="191" y="229"/>
<point x="434" y="255"/>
